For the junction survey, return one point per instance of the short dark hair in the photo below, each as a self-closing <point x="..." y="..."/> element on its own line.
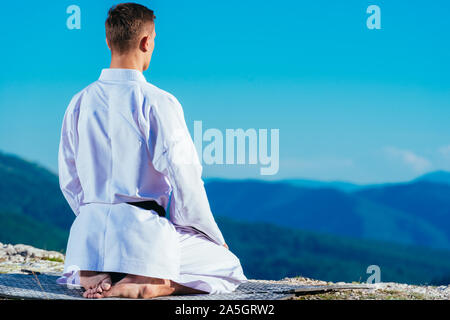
<point x="124" y="25"/>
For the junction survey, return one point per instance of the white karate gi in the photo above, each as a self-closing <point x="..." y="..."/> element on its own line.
<point x="125" y="140"/>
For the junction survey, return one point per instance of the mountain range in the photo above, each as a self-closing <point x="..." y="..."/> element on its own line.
<point x="412" y="213"/>
<point x="277" y="229"/>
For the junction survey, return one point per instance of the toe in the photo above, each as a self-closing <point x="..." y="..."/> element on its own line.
<point x="87" y="293"/>
<point x="106" y="284"/>
<point x="92" y="292"/>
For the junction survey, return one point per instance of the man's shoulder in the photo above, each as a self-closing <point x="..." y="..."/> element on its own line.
<point x="154" y="93"/>
<point x="76" y="98"/>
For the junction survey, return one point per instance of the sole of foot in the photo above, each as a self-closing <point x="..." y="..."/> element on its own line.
<point x="94" y="283"/>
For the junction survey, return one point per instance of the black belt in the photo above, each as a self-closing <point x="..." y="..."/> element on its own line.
<point x="150" y="205"/>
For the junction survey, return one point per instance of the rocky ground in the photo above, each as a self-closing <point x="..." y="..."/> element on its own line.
<point x="21" y="258"/>
<point x="379" y="291"/>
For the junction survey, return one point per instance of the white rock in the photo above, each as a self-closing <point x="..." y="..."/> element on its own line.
<point x="22" y="250"/>
<point x="10" y="250"/>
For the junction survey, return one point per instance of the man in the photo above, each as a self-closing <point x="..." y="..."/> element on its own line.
<point x="125" y="154"/>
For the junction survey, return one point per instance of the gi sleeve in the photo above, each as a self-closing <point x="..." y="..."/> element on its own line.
<point x="67" y="171"/>
<point x="174" y="155"/>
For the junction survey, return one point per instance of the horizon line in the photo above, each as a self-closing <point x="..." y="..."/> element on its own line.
<point x="280" y="180"/>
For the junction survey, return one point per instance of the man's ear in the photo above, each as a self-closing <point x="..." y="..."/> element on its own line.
<point x="107" y="43"/>
<point x="145" y="43"/>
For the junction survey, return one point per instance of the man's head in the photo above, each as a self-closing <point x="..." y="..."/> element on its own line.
<point x="130" y="31"/>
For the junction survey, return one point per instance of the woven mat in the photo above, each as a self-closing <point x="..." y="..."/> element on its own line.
<point x="44" y="286"/>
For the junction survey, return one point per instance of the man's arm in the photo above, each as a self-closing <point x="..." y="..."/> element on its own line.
<point x="67" y="172"/>
<point x="174" y="155"/>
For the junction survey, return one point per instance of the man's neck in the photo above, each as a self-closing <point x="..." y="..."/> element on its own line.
<point x="126" y="61"/>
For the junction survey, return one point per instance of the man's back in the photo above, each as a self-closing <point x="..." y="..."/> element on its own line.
<point x="125" y="140"/>
<point x="112" y="134"/>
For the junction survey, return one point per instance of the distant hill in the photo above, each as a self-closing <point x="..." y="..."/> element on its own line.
<point x="29" y="189"/>
<point x="426" y="203"/>
<point x="436" y="176"/>
<point x="416" y="213"/>
<point x="305" y="183"/>
<point x="339" y="185"/>
<point x="20" y="228"/>
<point x="32" y="208"/>
<point x="270" y="252"/>
<point x="33" y="211"/>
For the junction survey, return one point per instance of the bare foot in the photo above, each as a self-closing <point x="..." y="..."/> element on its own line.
<point x="96" y="292"/>
<point x="94" y="283"/>
<point x="139" y="287"/>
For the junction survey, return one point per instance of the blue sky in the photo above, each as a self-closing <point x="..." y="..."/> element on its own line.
<point x="351" y="103"/>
